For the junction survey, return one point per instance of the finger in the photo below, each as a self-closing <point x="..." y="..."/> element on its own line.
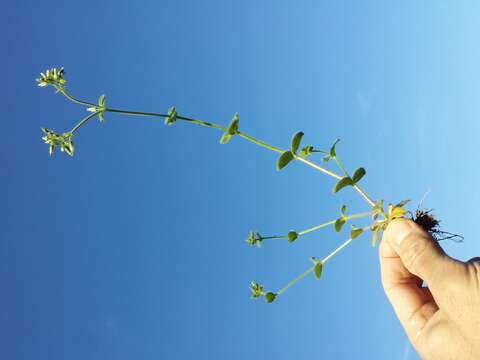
<point x="413" y="304"/>
<point x="420" y="254"/>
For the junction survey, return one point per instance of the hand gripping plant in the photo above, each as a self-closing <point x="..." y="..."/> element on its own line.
<point x="379" y="216"/>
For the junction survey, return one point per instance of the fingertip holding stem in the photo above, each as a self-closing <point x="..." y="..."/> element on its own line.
<point x="399" y="229"/>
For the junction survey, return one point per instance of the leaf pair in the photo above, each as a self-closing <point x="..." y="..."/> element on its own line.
<point x="101" y="106"/>
<point x="100" y="109"/>
<point x="349" y="181"/>
<point x="287" y="156"/>
<point x="171" y="117"/>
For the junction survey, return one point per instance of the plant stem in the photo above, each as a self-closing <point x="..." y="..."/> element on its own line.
<point x="337" y="160"/>
<point x="71" y="98"/>
<point x="83" y="121"/>
<point x="348" y="217"/>
<point x="259" y="142"/>
<point x="323" y="261"/>
<point x="318" y="167"/>
<point x="216" y="126"/>
<point x="294" y="281"/>
<point x="274" y="237"/>
<point x="338" y="249"/>
<point x="367" y="198"/>
<point x="317" y="227"/>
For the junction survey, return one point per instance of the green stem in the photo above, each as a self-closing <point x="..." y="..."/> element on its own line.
<point x="294" y="281"/>
<point x="338" y="249"/>
<point x="341" y="166"/>
<point x="142" y="113"/>
<point x="323" y="261"/>
<point x="219" y="127"/>
<point x="259" y="142"/>
<point x="364" y="195"/>
<point x="317" y="227"/>
<point x="274" y="237"/>
<point x="319" y="168"/>
<point x="71" y="98"/>
<point x="348" y="217"/>
<point x="356" y="187"/>
<point x="83" y="121"/>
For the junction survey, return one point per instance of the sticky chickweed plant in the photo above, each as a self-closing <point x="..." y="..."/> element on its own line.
<point x="378" y="215"/>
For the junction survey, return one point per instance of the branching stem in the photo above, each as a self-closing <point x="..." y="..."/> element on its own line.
<point x="323" y="261"/>
<point x="261" y="143"/>
<point x="83" y="121"/>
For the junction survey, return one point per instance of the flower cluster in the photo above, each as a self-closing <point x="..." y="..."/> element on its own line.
<point x="256" y="289"/>
<point x="64" y="141"/>
<point x="254" y="239"/>
<point x="53" y="77"/>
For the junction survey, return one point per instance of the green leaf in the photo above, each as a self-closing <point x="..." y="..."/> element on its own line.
<point x="270" y="296"/>
<point x="225" y="138"/>
<point x="343" y="209"/>
<point x="292" y="236"/>
<point x="318" y="269"/>
<point x="358" y="174"/>
<point x="355" y="232"/>
<point x="101" y="105"/>
<point x="339" y="223"/>
<point x="402" y="203"/>
<point x="332" y="152"/>
<point x="69" y="148"/>
<point x="396" y="212"/>
<point x="345" y="181"/>
<point x="295" y="143"/>
<point x="284" y="159"/>
<point x="232" y="129"/>
<point x="101" y="101"/>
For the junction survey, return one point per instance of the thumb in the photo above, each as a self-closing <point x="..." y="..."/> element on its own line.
<point x="420" y="253"/>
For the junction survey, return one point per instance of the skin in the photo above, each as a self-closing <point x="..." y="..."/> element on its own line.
<point x="442" y="321"/>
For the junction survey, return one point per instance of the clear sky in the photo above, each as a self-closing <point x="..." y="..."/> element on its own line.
<point x="134" y="248"/>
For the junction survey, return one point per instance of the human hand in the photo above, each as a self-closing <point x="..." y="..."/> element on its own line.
<point x="442" y="321"/>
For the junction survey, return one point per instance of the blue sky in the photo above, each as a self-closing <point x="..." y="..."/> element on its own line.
<point x="134" y="249"/>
